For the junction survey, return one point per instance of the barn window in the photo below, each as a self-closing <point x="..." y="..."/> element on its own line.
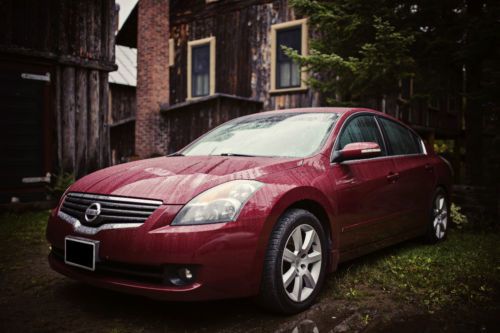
<point x="201" y="68"/>
<point x="286" y="74"/>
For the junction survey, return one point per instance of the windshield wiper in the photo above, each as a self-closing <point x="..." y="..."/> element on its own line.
<point x="235" y="154"/>
<point x="175" y="154"/>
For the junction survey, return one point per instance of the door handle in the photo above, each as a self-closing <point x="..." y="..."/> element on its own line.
<point x="392" y="177"/>
<point x="429" y="168"/>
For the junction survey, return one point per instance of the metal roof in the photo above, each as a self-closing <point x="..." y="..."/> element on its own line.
<point x="126" y="59"/>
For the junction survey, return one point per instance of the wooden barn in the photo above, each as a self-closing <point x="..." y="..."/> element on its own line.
<point x="202" y="62"/>
<point x="122" y="95"/>
<point x="55" y="57"/>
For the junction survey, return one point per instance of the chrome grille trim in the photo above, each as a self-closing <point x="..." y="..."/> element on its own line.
<point x="114" y="210"/>
<point x="92" y="230"/>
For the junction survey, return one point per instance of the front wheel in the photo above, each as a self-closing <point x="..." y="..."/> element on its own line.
<point x="295" y="263"/>
<point x="439" y="217"/>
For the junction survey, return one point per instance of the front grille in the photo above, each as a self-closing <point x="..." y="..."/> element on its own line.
<point x="113" y="209"/>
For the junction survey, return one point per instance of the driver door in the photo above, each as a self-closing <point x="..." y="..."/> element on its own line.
<point x="364" y="187"/>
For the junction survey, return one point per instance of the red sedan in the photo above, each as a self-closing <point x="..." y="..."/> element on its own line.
<point x="264" y="205"/>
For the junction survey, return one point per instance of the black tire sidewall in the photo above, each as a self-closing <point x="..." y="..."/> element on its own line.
<point x="430" y="236"/>
<point x="291" y="220"/>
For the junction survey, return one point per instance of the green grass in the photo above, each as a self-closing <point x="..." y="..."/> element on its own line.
<point x="25" y="229"/>
<point x="463" y="270"/>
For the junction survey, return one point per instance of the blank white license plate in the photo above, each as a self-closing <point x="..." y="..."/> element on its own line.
<point x="81" y="252"/>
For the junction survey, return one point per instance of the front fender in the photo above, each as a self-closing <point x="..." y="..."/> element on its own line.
<point x="282" y="197"/>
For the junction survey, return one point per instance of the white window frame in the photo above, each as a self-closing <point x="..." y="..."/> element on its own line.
<point x="211" y="42"/>
<point x="304" y="51"/>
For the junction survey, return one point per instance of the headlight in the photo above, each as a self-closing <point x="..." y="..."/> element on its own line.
<point x="221" y="203"/>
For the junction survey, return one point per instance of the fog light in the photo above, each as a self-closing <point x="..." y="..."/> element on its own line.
<point x="180" y="276"/>
<point x="185" y="274"/>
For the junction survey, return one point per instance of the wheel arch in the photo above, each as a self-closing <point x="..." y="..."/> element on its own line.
<point x="312" y="200"/>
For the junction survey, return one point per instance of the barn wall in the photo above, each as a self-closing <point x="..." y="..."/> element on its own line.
<point x="75" y="39"/>
<point x="123" y="103"/>
<point x="122" y="122"/>
<point x="243" y="48"/>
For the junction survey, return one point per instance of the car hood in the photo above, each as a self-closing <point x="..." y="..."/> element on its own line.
<point x="176" y="180"/>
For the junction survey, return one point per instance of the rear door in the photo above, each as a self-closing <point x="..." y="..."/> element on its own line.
<point x="364" y="192"/>
<point x="415" y="181"/>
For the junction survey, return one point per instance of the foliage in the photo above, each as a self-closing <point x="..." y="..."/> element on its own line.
<point x="462" y="270"/>
<point x="459" y="219"/>
<point x="444" y="146"/>
<point x="59" y="183"/>
<point x="359" y="53"/>
<point x="363" y="48"/>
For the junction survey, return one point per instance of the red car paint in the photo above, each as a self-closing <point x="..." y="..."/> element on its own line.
<point x="368" y="204"/>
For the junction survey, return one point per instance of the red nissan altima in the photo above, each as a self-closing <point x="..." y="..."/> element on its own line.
<point x="264" y="205"/>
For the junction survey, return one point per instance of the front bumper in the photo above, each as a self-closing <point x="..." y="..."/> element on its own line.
<point x="226" y="256"/>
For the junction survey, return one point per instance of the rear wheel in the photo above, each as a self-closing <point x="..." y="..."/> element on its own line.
<point x="439" y="218"/>
<point x="294" y="267"/>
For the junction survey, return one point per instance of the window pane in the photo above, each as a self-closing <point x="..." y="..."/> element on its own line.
<point x="361" y="129"/>
<point x="200" y="70"/>
<point x="284" y="78"/>
<point x="288" y="72"/>
<point x="401" y="140"/>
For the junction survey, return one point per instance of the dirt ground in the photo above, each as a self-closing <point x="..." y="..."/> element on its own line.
<point x="36" y="299"/>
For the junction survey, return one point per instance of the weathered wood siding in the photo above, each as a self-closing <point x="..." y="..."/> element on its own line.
<point x="75" y="39"/>
<point x="122" y="122"/>
<point x="123" y="103"/>
<point x="243" y="48"/>
<point x="69" y="31"/>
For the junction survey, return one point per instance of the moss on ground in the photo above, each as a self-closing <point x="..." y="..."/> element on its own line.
<point x="463" y="270"/>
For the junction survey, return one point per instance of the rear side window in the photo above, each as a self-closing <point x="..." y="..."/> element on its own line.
<point x="401" y="140"/>
<point x="361" y="129"/>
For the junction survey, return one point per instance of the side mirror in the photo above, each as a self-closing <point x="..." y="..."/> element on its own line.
<point x="356" y="151"/>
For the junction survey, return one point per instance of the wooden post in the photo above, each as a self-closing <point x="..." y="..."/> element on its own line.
<point x="93" y="121"/>
<point x="68" y="119"/>
<point x="81" y="123"/>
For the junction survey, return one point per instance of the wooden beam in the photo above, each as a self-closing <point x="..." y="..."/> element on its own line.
<point x="98" y="64"/>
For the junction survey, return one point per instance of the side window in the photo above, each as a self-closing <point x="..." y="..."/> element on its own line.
<point x="401" y="140"/>
<point x="361" y="129"/>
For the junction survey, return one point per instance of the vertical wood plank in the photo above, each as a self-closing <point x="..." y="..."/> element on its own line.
<point x="93" y="121"/>
<point x="81" y="123"/>
<point x="59" y="116"/>
<point x="68" y="119"/>
<point x="104" y="147"/>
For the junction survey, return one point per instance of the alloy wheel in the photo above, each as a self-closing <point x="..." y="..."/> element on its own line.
<point x="301" y="263"/>
<point x="440" y="211"/>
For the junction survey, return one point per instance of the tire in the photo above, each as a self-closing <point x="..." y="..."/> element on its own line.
<point x="439" y="218"/>
<point x="291" y="282"/>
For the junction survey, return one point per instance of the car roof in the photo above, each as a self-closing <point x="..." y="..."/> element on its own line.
<point x="338" y="110"/>
<point x="345" y="111"/>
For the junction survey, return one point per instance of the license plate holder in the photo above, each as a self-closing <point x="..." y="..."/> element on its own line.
<point x="81" y="252"/>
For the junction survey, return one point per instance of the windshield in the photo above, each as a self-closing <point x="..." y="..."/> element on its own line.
<point x="280" y="134"/>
